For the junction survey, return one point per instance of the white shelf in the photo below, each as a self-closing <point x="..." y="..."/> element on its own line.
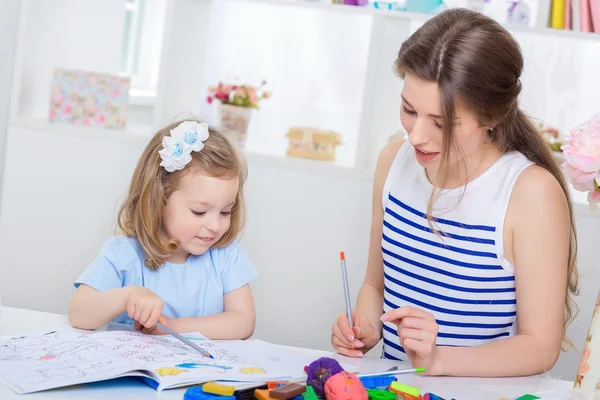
<point x="341" y="8"/>
<point x="271" y="160"/>
<point x="142" y="134"/>
<point x="306" y="165"/>
<point x="554" y="32"/>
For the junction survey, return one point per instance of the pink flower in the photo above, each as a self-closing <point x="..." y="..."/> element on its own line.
<point x="209" y="100"/>
<point x="594" y="198"/>
<point x="582" y="158"/>
<point x="581" y="181"/>
<point x="584" y="367"/>
<point x="583" y="149"/>
<point x="241" y="92"/>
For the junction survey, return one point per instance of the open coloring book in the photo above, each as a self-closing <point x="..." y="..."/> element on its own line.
<point x="68" y="357"/>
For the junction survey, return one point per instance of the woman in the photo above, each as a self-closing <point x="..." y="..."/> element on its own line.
<point x="472" y="253"/>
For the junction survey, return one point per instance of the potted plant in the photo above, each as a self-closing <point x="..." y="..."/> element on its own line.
<point x="236" y="104"/>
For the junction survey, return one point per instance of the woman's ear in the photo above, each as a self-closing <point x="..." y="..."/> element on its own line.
<point x="489" y="124"/>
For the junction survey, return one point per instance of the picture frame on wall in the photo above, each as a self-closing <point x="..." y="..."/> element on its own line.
<point x="89" y="98"/>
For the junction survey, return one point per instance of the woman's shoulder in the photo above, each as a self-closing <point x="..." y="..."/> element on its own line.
<point x="535" y="183"/>
<point x="537" y="193"/>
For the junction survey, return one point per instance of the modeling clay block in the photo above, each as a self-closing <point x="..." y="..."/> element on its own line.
<point x="309" y="394"/>
<point x="215" y="388"/>
<point x="345" y="386"/>
<point x="401" y="388"/>
<point x="375" y="394"/>
<point x="431" y="396"/>
<point x="383" y="381"/>
<point x="319" y="371"/>
<point x="405" y="396"/>
<point x="288" y="391"/>
<point x="262" y="394"/>
<point x="196" y="393"/>
<point x="248" y="392"/>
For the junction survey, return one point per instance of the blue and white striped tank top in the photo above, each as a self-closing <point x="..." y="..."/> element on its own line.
<point x="462" y="278"/>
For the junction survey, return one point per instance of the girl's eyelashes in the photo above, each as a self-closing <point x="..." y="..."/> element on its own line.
<point x="201" y="213"/>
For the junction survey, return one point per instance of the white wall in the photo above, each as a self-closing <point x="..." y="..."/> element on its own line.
<point x="9" y="18"/>
<point x="317" y="75"/>
<point x="298" y="223"/>
<point x="58" y="200"/>
<point x="183" y="60"/>
<point x="68" y="34"/>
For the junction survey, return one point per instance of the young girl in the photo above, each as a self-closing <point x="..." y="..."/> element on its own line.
<point x="179" y="261"/>
<point x="472" y="254"/>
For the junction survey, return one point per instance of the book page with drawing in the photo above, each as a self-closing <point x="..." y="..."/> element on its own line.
<point x="67" y="357"/>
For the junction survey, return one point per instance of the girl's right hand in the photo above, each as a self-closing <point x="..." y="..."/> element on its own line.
<point x="144" y="306"/>
<point x="353" y="342"/>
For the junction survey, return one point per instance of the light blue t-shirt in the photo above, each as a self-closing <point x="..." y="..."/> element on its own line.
<point x="193" y="289"/>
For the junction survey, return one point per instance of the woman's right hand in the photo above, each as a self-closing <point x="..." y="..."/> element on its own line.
<point x="353" y="342"/>
<point x="144" y="306"/>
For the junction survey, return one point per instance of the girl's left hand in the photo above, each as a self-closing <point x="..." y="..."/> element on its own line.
<point x="417" y="330"/>
<point x="154" y="330"/>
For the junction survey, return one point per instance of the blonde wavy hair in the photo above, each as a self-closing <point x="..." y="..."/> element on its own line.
<point x="140" y="215"/>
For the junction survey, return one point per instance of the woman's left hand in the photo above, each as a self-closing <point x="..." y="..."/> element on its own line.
<point x="417" y="330"/>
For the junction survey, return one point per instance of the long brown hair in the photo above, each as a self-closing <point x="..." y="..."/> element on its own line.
<point x="474" y="59"/>
<point x="140" y="215"/>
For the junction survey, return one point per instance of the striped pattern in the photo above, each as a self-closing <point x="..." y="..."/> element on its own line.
<point x="458" y="278"/>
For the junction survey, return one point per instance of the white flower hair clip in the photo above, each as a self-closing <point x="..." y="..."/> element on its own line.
<point x="188" y="136"/>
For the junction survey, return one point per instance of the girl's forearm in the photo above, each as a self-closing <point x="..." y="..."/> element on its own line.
<point x="520" y="355"/>
<point x="91" y="309"/>
<point x="229" y="325"/>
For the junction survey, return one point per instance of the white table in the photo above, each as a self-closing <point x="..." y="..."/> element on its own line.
<point x="14" y="321"/>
